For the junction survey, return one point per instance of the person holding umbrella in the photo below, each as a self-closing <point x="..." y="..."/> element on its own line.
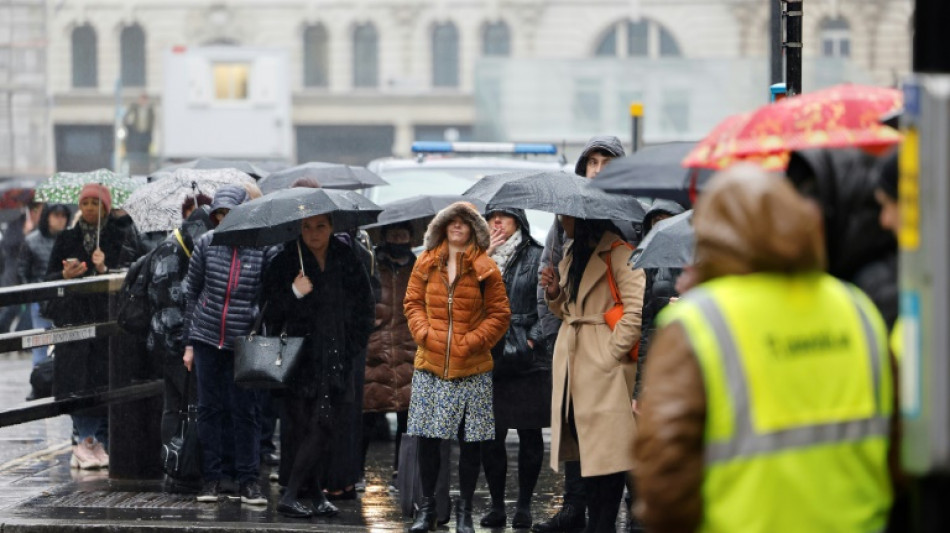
<point x="317" y="287"/>
<point x="221" y="298"/>
<point x="92" y="247"/>
<point x="598" y="152"/>
<point x="593" y="375"/>
<point x="457" y="309"/>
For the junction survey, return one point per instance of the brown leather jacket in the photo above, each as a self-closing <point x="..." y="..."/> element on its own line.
<point x="745" y="222"/>
<point x="456" y="325"/>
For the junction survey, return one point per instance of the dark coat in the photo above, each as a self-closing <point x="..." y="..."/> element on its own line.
<point x="10" y="245"/>
<point x="84" y="365"/>
<point x="391" y="351"/>
<point x="336" y="317"/>
<point x="120" y="246"/>
<point x="37" y="246"/>
<point x="34" y="257"/>
<point x="660" y="287"/>
<point x="166" y="270"/>
<point x="513" y="356"/>
<point x="840" y="181"/>
<point x="522" y="394"/>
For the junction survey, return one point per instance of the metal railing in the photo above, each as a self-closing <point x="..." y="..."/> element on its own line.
<point x="24" y="340"/>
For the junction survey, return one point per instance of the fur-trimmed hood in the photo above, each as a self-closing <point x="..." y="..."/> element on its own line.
<point x="435" y="233"/>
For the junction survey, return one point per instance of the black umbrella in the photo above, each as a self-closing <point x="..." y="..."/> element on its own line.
<point x="275" y="218"/>
<point x="555" y="192"/>
<point x="655" y="172"/>
<point x="418" y="211"/>
<point x="668" y="245"/>
<point x="210" y="163"/>
<point x="330" y="176"/>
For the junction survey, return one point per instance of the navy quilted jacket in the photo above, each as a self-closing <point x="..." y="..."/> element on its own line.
<point x="222" y="292"/>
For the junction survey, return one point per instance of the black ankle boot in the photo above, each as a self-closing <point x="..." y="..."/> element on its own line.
<point x="425" y="517"/>
<point x="463" y="516"/>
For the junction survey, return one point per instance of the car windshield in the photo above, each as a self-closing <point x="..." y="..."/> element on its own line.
<point x="404" y="183"/>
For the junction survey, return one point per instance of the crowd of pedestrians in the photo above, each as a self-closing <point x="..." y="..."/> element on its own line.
<point x="488" y="330"/>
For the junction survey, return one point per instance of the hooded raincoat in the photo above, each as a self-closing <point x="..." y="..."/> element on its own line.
<point x="736" y="233"/>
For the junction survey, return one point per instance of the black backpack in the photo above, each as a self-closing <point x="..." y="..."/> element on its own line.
<point x="134" y="314"/>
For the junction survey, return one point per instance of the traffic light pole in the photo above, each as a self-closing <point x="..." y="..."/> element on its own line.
<point x="793" y="46"/>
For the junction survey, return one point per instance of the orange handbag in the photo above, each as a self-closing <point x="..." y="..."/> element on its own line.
<point x="615" y="313"/>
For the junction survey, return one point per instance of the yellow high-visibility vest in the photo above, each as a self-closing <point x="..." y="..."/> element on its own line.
<point x="799" y="397"/>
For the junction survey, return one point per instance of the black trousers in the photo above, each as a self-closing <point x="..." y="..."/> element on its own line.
<point x="494" y="458"/>
<point x="369" y="421"/>
<point x="603" y="493"/>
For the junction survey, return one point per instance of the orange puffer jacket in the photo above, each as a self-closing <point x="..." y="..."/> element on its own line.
<point x="456" y="325"/>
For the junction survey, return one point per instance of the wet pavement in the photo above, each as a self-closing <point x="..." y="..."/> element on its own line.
<point x="39" y="492"/>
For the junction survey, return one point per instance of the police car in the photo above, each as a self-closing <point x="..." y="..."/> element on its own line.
<point x="453" y="167"/>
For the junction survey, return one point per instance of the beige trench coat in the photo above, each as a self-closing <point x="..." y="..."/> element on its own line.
<point x="592" y="367"/>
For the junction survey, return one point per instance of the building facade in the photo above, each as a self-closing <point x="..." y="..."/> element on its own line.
<point x="368" y="77"/>
<point x="25" y="147"/>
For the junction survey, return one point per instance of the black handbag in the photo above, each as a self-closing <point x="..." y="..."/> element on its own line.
<point x="181" y="455"/>
<point x="41" y="379"/>
<point x="265" y="362"/>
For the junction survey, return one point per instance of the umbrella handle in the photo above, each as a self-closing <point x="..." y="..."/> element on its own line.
<point x="98" y="220"/>
<point x="300" y="255"/>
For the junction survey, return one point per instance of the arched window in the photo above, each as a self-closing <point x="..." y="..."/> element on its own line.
<point x="85" y="57"/>
<point x="445" y="55"/>
<point x="132" y="56"/>
<point x="496" y="39"/>
<point x="365" y="56"/>
<point x="315" y="56"/>
<point x="642" y="38"/>
<point x="835" y="37"/>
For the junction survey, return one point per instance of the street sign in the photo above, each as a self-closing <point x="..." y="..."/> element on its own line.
<point x="59" y="336"/>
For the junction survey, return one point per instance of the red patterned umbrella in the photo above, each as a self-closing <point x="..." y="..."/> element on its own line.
<point x="838" y="117"/>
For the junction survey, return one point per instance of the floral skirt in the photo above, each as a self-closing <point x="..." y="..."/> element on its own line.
<point x="438" y="406"/>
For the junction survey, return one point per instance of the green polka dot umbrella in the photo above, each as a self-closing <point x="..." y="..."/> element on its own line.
<point x="64" y="187"/>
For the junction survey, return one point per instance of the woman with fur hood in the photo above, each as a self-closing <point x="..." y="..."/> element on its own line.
<point x="457" y="309"/>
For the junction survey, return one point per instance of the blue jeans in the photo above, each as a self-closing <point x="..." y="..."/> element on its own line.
<point x="39" y="353"/>
<point x="96" y="427"/>
<point x="219" y="397"/>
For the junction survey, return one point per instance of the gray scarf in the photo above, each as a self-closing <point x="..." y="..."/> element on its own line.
<point x="89" y="234"/>
<point x="503" y="253"/>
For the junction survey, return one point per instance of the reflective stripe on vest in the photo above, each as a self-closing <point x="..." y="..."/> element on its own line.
<point x="745" y="441"/>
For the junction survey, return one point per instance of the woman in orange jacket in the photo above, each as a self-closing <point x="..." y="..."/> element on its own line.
<point x="457" y="310"/>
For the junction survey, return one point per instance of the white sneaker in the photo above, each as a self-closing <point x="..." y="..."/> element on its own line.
<point x="84" y="455"/>
<point x="101" y="455"/>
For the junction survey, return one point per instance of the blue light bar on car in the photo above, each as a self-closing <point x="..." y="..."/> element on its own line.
<point x="439" y="147"/>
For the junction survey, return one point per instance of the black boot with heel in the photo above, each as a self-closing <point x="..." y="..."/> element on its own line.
<point x="463" y="516"/>
<point x="425" y="517"/>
